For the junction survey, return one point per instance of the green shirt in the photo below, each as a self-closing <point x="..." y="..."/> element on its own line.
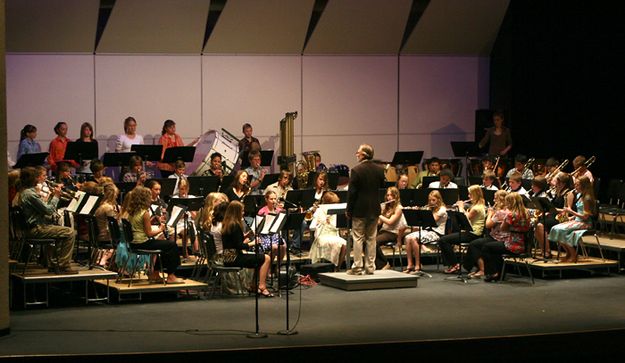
<point x="36" y="210"/>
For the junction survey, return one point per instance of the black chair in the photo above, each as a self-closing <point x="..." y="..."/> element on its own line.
<point x="216" y="269"/>
<point x="137" y="252"/>
<point x="523" y="257"/>
<point x="19" y="226"/>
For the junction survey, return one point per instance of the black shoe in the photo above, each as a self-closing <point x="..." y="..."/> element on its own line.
<point x="491" y="278"/>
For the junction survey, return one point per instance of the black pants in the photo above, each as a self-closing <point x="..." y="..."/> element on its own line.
<point x="382" y="238"/>
<point x="247" y="260"/>
<point x="474" y="252"/>
<point x="491" y="253"/>
<point x="169" y="252"/>
<point x="446" y="245"/>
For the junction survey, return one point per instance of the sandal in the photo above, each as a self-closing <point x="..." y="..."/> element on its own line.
<point x="409" y="270"/>
<point x="265" y="293"/>
<point x="452" y="269"/>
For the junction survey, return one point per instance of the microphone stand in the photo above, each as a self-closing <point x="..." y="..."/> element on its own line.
<point x="287" y="331"/>
<point x="257" y="333"/>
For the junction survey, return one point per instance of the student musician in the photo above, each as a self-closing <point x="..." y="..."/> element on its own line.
<point x="235" y="242"/>
<point x="239" y="187"/>
<point x="245" y="144"/>
<point x="569" y="233"/>
<point x="402" y="182"/>
<point x="179" y="173"/>
<point x="272" y="243"/>
<point x="520" y="161"/>
<point x="437" y="206"/>
<point x="86" y="135"/>
<point x="476" y="214"/>
<point x="64" y="176"/>
<point x="108" y="208"/>
<point x="517" y="222"/>
<point x="445" y="181"/>
<point x="327" y="243"/>
<point x="130" y="137"/>
<point x="579" y="165"/>
<point x="40" y="217"/>
<point x="490" y="181"/>
<point x="319" y="166"/>
<point x="216" y="168"/>
<point x="144" y="235"/>
<point x="28" y="144"/>
<point x="158" y="207"/>
<point x="58" y="146"/>
<point x="515" y="184"/>
<point x="186" y="225"/>
<point x="539" y="187"/>
<point x="391" y="224"/>
<point x="97" y="171"/>
<point x="256" y="172"/>
<point x="487" y="165"/>
<point x="558" y="195"/>
<point x="169" y="138"/>
<point x="205" y="218"/>
<point x="283" y="185"/>
<point x="135" y="172"/>
<point x="433" y="169"/>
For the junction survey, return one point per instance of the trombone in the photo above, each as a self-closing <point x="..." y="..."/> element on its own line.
<point x="587" y="164"/>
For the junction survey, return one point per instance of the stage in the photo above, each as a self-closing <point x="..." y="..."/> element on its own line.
<point x="438" y="313"/>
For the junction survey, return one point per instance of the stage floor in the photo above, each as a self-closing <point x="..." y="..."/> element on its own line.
<point x="436" y="310"/>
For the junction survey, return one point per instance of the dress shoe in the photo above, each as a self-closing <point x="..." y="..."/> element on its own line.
<point x="65" y="271"/>
<point x="355" y="271"/>
<point x="491" y="278"/>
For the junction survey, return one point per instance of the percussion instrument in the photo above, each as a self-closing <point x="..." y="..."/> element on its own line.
<point x="214" y="141"/>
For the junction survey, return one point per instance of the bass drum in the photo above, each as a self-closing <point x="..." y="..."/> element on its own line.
<point x="213" y="141"/>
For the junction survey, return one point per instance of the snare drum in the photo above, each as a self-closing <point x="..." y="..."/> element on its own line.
<point x="213" y="141"/>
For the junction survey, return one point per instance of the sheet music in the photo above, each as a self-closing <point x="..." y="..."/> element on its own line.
<point x="268" y="222"/>
<point x="277" y="222"/>
<point x="88" y="208"/>
<point x="327" y="207"/>
<point x="75" y="203"/>
<point x="175" y="212"/>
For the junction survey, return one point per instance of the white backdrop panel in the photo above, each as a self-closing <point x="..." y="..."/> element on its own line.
<point x="150" y="88"/>
<point x="254" y="89"/>
<point x="341" y="149"/>
<point x="45" y="89"/>
<point x="348" y="95"/>
<point x="438" y="94"/>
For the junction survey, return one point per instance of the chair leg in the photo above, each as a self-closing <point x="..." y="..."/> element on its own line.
<point x="160" y="263"/>
<point x="502" y="275"/>
<point x="529" y="271"/>
<point x="600" y="248"/>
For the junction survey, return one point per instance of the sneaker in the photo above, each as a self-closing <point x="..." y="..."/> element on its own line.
<point x="355" y="271"/>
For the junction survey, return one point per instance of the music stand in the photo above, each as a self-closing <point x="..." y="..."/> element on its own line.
<point x="475" y="180"/>
<point x="333" y="180"/>
<point x="226" y="181"/>
<point x="463" y="225"/>
<point x="343" y="195"/>
<point x="124" y="188"/>
<point x="268" y="180"/>
<point x="184" y="153"/>
<point x="382" y="195"/>
<point x="294" y="196"/>
<point x="342" y="222"/>
<point x="427" y="180"/>
<point x="407" y="157"/>
<point x="407" y="197"/>
<point x="191" y="204"/>
<point x="463" y="192"/>
<point x="545" y="206"/>
<point x="489" y="196"/>
<point x="266" y="157"/>
<point x="79" y="151"/>
<point x="117" y="159"/>
<point x="465" y="149"/>
<point x="312" y="176"/>
<point x="450" y="196"/>
<point x="420" y="218"/>
<point x="308" y="198"/>
<point x="148" y="152"/>
<point x="34" y="159"/>
<point x="202" y="185"/>
<point x="251" y="204"/>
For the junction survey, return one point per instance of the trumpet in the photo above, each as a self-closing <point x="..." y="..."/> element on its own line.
<point x="66" y="194"/>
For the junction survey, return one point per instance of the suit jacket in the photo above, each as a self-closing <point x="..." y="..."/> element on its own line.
<point x="364" y="183"/>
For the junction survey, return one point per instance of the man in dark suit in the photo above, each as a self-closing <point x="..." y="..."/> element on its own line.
<point x="363" y="207"/>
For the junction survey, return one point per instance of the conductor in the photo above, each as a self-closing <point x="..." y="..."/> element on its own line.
<point x="363" y="208"/>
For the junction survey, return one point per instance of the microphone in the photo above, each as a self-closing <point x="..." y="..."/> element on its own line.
<point x="290" y="204"/>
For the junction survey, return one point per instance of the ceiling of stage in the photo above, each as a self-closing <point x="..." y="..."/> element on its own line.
<point x="310" y="27"/>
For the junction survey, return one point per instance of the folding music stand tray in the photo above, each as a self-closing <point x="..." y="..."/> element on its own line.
<point x="420" y="196"/>
<point x="489" y="196"/>
<point x="343" y="195"/>
<point x="168" y="185"/>
<point x="422" y="219"/>
<point x="475" y="180"/>
<point x="184" y="153"/>
<point x="148" y="152"/>
<point x="202" y="185"/>
<point x="407" y="157"/>
<point x="190" y="205"/>
<point x="79" y="151"/>
<point x="117" y="159"/>
<point x="268" y="180"/>
<point x="463" y="192"/>
<point x="450" y="196"/>
<point x="294" y="196"/>
<point x="251" y="204"/>
<point x="427" y="180"/>
<point x="34" y="159"/>
<point x="465" y="149"/>
<point x="308" y="198"/>
<point x="463" y="225"/>
<point x="226" y="181"/>
<point x="342" y="222"/>
<point x="333" y="180"/>
<point x="266" y="157"/>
